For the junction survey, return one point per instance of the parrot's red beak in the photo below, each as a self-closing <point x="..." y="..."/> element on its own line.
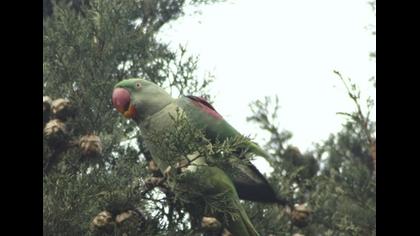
<point x="121" y="102"/>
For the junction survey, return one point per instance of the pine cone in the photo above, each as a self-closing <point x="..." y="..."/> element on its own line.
<point x="61" y="109"/>
<point x="294" y="151"/>
<point x="300" y="215"/>
<point x="130" y="222"/>
<point x="226" y="233"/>
<point x="55" y="132"/>
<point x="210" y="224"/>
<point x="103" y="221"/>
<point x="90" y="145"/>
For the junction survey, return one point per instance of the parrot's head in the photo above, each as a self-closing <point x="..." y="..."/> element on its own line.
<point x="139" y="98"/>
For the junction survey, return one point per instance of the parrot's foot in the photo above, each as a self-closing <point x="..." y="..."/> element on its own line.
<point x="179" y="167"/>
<point x="153" y="182"/>
<point x="166" y="175"/>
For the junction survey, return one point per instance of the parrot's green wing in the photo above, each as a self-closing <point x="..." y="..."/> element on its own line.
<point x="249" y="182"/>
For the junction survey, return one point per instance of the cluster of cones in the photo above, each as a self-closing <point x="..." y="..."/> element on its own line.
<point x="300" y="215"/>
<point x="56" y="116"/>
<point x="106" y="222"/>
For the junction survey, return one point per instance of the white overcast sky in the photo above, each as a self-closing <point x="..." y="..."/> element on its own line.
<point x="289" y="48"/>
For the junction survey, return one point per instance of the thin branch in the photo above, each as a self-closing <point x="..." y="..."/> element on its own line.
<point x="361" y="119"/>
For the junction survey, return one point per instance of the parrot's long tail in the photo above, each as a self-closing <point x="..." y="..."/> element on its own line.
<point x="242" y="225"/>
<point x="218" y="182"/>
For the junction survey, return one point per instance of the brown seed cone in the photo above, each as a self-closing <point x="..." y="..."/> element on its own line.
<point x="131" y="222"/>
<point x="210" y="224"/>
<point x="61" y="109"/>
<point x="295" y="151"/>
<point x="300" y="215"/>
<point x="90" y="145"/>
<point x="55" y="131"/>
<point x="226" y="233"/>
<point x="102" y="221"/>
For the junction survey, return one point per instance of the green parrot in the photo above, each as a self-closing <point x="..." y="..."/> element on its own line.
<point x="153" y="109"/>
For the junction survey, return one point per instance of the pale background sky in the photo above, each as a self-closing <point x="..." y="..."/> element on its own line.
<point x="288" y="48"/>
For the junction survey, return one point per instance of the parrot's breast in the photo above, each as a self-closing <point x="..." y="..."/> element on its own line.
<point x="154" y="127"/>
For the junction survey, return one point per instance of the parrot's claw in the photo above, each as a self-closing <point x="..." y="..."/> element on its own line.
<point x="166" y="175"/>
<point x="157" y="181"/>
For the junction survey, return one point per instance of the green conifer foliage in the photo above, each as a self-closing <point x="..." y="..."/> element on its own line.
<point x="98" y="176"/>
<point x="95" y="166"/>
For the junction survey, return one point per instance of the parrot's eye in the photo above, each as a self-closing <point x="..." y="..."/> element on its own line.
<point x="138" y="85"/>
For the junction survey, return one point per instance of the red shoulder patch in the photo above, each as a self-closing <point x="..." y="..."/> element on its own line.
<point x="205" y="106"/>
